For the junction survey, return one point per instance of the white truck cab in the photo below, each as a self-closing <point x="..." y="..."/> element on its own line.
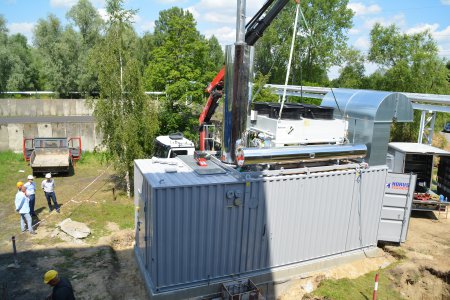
<point x="167" y="146"/>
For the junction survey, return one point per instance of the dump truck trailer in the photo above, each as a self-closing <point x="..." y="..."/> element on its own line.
<point x="52" y="154"/>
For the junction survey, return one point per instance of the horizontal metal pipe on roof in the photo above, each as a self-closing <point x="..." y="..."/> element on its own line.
<point x="252" y="156"/>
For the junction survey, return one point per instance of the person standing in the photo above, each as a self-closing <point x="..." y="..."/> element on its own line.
<point x="23" y="208"/>
<point x="62" y="288"/>
<point x="48" y="185"/>
<point x="31" y="193"/>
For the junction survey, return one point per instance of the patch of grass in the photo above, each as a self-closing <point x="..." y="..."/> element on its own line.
<point x="359" y="288"/>
<point x="98" y="215"/>
<point x="84" y="187"/>
<point x="67" y="252"/>
<point x="89" y="157"/>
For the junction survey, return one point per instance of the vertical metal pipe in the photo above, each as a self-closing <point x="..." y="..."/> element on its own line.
<point x="240" y="22"/>
<point x="422" y="126"/>
<point x="16" y="261"/>
<point x="238" y="74"/>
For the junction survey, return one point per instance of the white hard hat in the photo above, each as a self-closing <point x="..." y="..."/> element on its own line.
<point x="30" y="177"/>
<point x="48" y="175"/>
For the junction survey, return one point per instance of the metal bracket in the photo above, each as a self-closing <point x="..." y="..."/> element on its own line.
<point x="427" y="120"/>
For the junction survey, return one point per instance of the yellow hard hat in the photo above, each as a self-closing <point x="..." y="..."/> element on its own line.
<point x="50" y="275"/>
<point x="19" y="184"/>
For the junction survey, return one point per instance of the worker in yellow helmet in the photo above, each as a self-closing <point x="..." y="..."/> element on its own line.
<point x="62" y="288"/>
<point x="22" y="203"/>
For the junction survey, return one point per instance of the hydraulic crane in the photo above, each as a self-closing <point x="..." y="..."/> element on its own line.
<point x="254" y="30"/>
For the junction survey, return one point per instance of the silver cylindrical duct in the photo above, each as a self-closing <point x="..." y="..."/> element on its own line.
<point x="253" y="156"/>
<point x="238" y="73"/>
<point x="240" y="22"/>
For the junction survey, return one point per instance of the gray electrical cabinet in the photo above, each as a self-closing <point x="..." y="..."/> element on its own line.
<point x="196" y="227"/>
<point x="397" y="203"/>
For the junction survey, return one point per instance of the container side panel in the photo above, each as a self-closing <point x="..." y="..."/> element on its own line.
<point x="199" y="233"/>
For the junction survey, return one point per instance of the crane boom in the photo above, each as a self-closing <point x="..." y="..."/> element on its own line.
<point x="254" y="30"/>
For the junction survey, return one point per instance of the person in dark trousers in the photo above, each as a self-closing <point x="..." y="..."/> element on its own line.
<point x="31" y="190"/>
<point x="62" y="288"/>
<point x="48" y="185"/>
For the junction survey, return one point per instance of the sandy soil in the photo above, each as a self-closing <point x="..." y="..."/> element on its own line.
<point x="423" y="271"/>
<point x="107" y="270"/>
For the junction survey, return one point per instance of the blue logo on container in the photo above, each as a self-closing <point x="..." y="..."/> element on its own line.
<point x="398" y="185"/>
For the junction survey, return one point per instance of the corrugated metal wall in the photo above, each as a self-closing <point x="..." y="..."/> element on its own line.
<point x="205" y="232"/>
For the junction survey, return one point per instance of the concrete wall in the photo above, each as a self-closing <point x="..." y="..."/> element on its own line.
<point x="12" y="134"/>
<point x="43" y="107"/>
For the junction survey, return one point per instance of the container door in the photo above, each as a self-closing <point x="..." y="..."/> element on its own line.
<point x="28" y="147"/>
<point x="141" y="226"/>
<point x="75" y="147"/>
<point x="397" y="202"/>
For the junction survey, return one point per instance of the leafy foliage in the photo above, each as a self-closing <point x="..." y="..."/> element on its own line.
<point x="125" y="116"/>
<point x="328" y="22"/>
<point x="181" y="63"/>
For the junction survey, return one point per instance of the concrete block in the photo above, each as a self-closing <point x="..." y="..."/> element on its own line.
<point x="4" y="137"/>
<point x="59" y="130"/>
<point x="59" y="107"/>
<point x="12" y="103"/>
<point x="30" y="130"/>
<point x="15" y="133"/>
<point x="44" y="130"/>
<point x="53" y="107"/>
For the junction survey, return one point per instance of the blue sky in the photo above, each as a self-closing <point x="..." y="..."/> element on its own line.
<point x="218" y="17"/>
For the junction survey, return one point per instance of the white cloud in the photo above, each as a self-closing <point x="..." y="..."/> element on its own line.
<point x="24" y="28"/>
<point x="171" y="1"/>
<point x="445" y="2"/>
<point x="148" y="26"/>
<point x="362" y="43"/>
<point x="353" y="31"/>
<point x="193" y="11"/>
<point x="62" y="3"/>
<point x="360" y="9"/>
<point x="333" y="72"/>
<point x="422" y="27"/>
<point x="226" y="35"/>
<point x="398" y="20"/>
<point x="103" y="14"/>
<point x="370" y="68"/>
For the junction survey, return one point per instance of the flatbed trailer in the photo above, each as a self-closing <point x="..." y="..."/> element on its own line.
<point x="52" y="154"/>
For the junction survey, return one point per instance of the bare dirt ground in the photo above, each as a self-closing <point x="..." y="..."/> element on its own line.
<point x="105" y="270"/>
<point x="421" y="266"/>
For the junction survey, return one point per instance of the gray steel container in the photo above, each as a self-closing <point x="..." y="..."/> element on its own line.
<point x="194" y="229"/>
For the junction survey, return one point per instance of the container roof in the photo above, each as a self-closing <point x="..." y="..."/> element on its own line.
<point x="418" y="148"/>
<point x="168" y="172"/>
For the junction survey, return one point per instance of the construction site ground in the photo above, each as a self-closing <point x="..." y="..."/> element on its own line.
<point x="103" y="265"/>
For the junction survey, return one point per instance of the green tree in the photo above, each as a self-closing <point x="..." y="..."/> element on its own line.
<point x="5" y="60"/>
<point x="409" y="62"/>
<point x="351" y="75"/>
<point x="215" y="53"/>
<point x="24" y="74"/>
<point x="145" y="47"/>
<point x="59" y="49"/>
<point x="328" y="22"/>
<point x="84" y="16"/>
<point x="179" y="65"/>
<point x="124" y="114"/>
